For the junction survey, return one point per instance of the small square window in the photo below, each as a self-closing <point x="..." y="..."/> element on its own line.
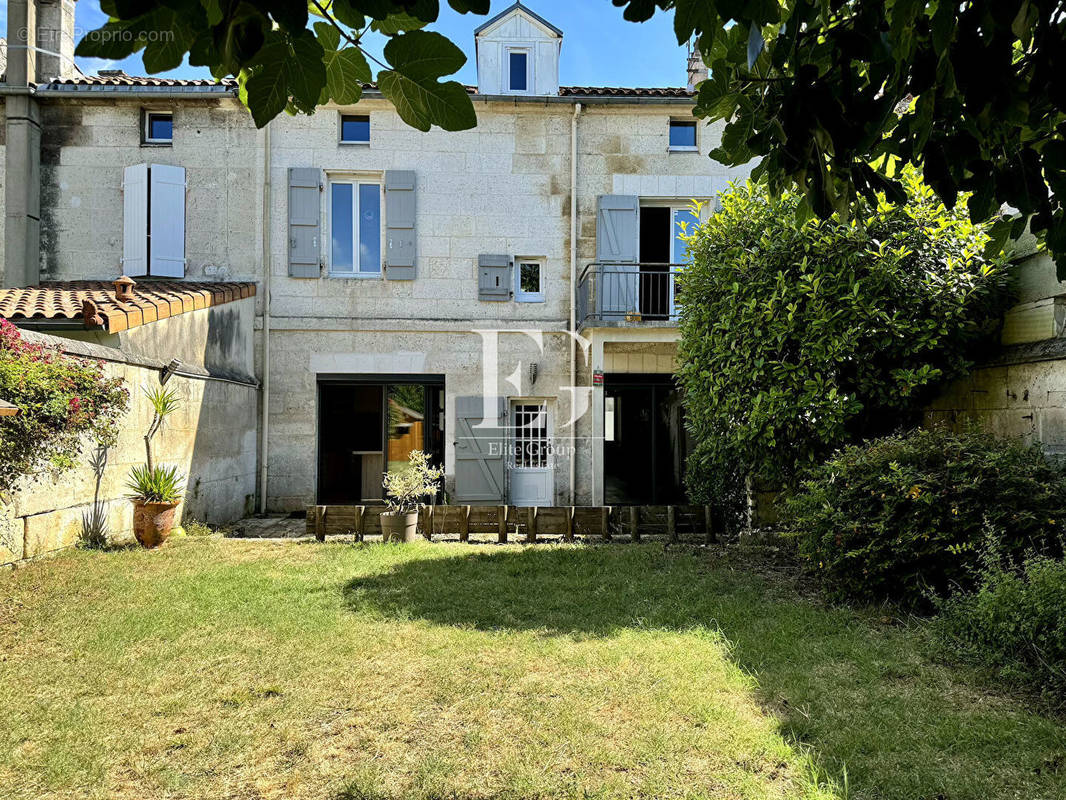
<point x="682" y="134"/>
<point x="158" y="128"/>
<point x="355" y="129"/>
<point x="518" y="61"/>
<point x="530" y="280"/>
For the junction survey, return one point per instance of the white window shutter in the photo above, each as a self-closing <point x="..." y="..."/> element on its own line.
<point x="168" y="221"/>
<point x="135" y="220"/>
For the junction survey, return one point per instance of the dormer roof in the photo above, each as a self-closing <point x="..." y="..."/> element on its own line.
<point x="528" y="12"/>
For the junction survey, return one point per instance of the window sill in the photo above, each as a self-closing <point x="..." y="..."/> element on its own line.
<point x="680" y="149"/>
<point x="343" y="143"/>
<point x="529" y="299"/>
<point x="157" y="144"/>
<point x="356" y="275"/>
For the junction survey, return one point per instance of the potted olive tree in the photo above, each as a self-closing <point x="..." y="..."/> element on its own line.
<point x="405" y="491"/>
<point x="155" y="490"/>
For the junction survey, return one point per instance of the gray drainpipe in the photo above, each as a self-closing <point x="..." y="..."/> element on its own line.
<point x="264" y="425"/>
<point x="573" y="297"/>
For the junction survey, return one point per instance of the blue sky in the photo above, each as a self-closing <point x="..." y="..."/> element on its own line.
<point x="599" y="47"/>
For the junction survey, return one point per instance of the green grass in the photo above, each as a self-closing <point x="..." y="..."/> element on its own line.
<point x="229" y="669"/>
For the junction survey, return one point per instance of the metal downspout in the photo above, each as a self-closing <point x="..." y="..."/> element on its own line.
<point x="573" y="298"/>
<point x="264" y="422"/>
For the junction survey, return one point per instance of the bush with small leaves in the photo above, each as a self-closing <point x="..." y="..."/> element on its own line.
<point x="1013" y="623"/>
<point x="905" y="516"/>
<point x="799" y="336"/>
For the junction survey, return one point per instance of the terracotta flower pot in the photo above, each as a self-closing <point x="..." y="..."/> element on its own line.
<point x="397" y="526"/>
<point x="152" y="522"/>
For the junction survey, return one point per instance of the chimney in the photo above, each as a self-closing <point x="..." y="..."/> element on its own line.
<point x="124" y="289"/>
<point x="55" y="40"/>
<point x="697" y="70"/>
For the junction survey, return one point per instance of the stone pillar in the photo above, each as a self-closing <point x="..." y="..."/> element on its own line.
<point x="22" y="193"/>
<point x="55" y="40"/>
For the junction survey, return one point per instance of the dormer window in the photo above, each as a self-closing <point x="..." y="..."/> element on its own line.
<point x="518" y="64"/>
<point x="518" y="54"/>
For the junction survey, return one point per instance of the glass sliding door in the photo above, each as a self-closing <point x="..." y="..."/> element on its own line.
<point x="407" y="423"/>
<point x="369" y="425"/>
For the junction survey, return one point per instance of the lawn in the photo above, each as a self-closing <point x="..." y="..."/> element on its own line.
<point x="232" y="669"/>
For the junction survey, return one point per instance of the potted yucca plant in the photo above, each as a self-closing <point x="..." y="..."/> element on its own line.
<point x="405" y="490"/>
<point x="155" y="490"/>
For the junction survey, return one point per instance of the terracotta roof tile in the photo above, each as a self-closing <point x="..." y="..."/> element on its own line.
<point x="134" y="80"/>
<point x="95" y="303"/>
<point x="615" y="91"/>
<point x="231" y="85"/>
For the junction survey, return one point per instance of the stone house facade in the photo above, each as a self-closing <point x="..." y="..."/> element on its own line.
<point x="505" y="294"/>
<point x="508" y="289"/>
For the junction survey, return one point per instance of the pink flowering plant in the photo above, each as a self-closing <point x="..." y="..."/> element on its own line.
<point x="64" y="404"/>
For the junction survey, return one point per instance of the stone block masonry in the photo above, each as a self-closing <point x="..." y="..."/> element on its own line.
<point x="211" y="438"/>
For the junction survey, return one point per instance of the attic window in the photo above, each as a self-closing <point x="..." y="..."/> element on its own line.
<point x="518" y="64"/>
<point x="355" y="129"/>
<point x="158" y="128"/>
<point x="683" y="135"/>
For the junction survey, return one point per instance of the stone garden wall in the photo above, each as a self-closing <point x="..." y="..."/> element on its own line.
<point x="211" y="437"/>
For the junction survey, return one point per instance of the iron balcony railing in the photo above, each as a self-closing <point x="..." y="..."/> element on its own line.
<point x="633" y="293"/>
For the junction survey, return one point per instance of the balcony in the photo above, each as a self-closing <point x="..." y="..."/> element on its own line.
<point x="614" y="295"/>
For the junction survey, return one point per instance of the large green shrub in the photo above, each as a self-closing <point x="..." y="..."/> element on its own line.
<point x="799" y="336"/>
<point x="1014" y="623"/>
<point x="65" y="402"/>
<point x="906" y="515"/>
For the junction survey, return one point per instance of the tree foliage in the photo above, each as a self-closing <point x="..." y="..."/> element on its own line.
<point x="801" y="335"/>
<point x="64" y="403"/>
<point x="825" y="92"/>
<point x="291" y="55"/>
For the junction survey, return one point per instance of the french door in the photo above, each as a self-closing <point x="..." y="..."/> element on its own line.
<point x="368" y="425"/>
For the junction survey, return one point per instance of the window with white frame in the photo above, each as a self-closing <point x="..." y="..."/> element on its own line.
<point x="519" y="74"/>
<point x="532" y="444"/>
<point x="529" y="281"/>
<point x="683" y="135"/>
<point x="355" y="227"/>
<point x="158" y="128"/>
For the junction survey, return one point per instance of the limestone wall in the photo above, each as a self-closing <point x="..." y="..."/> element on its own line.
<point x="211" y="438"/>
<point x="1020" y="390"/>
<point x="86" y="144"/>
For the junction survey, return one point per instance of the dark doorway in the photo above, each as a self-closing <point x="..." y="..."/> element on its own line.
<point x="655" y="244"/>
<point x="645" y="441"/>
<point x="367" y="426"/>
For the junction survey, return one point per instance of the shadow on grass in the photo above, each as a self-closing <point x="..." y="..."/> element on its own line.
<point x="861" y="693"/>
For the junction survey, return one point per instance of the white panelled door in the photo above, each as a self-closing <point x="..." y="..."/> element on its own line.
<point x="531" y="471"/>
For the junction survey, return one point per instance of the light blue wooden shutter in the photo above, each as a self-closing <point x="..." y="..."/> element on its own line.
<point x="167" y="221"/>
<point x="618" y="249"/>
<point x="135" y="220"/>
<point x="400" y="250"/>
<point x="480" y="476"/>
<point x="493" y="277"/>
<point x="305" y="222"/>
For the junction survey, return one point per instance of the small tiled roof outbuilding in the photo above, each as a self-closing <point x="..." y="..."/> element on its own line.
<point x="96" y="305"/>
